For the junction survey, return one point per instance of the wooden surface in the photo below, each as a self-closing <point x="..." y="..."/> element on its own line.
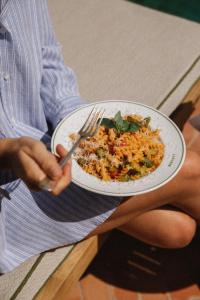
<point x="193" y="94"/>
<point x="78" y="260"/>
<point x="186" y="108"/>
<point x="71" y="269"/>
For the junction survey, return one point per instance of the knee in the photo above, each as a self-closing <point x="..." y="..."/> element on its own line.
<point x="180" y="235"/>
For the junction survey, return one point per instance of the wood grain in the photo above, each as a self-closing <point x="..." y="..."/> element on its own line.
<point x="193" y="94"/>
<point x="71" y="269"/>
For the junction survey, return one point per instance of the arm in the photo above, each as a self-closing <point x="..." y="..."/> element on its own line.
<point x="59" y="91"/>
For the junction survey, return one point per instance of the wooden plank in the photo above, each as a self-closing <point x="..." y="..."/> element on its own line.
<point x="69" y="272"/>
<point x="185" y="109"/>
<point x="193" y="94"/>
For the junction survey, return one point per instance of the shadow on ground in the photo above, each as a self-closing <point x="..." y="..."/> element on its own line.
<point x="130" y="264"/>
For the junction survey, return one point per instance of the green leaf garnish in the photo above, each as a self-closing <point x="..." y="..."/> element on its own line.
<point x="133" y="127"/>
<point x="108" y="123"/>
<point x="121" y="125"/>
<point x="147" y="163"/>
<point x="118" y="120"/>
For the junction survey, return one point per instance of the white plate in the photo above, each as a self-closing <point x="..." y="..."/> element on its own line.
<point x="170" y="134"/>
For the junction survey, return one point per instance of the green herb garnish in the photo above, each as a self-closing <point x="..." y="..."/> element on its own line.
<point x="146" y="162"/>
<point x="108" y="123"/>
<point x="120" y="125"/>
<point x="133" y="127"/>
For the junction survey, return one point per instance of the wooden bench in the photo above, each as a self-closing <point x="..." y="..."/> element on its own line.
<point x="118" y="50"/>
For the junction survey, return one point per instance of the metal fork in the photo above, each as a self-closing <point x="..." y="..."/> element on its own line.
<point x="88" y="129"/>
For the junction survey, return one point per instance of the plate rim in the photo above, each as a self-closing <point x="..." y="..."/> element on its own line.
<point x="127" y="194"/>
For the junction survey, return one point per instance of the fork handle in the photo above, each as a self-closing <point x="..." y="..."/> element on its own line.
<point x="63" y="160"/>
<point x="47" y="184"/>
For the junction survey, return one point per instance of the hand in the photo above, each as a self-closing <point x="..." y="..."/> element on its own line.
<point x="31" y="161"/>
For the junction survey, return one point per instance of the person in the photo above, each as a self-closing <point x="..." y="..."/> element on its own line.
<point x="36" y="91"/>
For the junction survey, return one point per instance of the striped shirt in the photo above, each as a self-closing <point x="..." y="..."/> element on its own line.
<point x="36" y="91"/>
<point x="2" y="4"/>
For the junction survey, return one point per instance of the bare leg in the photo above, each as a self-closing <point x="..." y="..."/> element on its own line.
<point x="162" y="228"/>
<point x="183" y="191"/>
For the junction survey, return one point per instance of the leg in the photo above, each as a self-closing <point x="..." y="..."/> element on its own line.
<point x="164" y="228"/>
<point x="183" y="191"/>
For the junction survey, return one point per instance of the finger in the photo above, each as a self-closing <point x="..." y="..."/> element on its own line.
<point x="28" y="170"/>
<point x="46" y="161"/>
<point x="64" y="181"/>
<point x="61" y="150"/>
<point x="68" y="164"/>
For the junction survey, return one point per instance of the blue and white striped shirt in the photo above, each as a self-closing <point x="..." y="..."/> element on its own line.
<point x="37" y="90"/>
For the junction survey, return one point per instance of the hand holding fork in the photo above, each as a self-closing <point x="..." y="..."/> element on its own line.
<point x="88" y="129"/>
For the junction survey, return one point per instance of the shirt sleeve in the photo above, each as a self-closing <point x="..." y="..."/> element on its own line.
<point x="59" y="90"/>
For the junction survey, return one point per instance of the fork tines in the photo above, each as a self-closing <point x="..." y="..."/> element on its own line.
<point x="93" y="121"/>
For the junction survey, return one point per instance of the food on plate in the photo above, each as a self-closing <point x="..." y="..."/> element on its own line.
<point x="123" y="149"/>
